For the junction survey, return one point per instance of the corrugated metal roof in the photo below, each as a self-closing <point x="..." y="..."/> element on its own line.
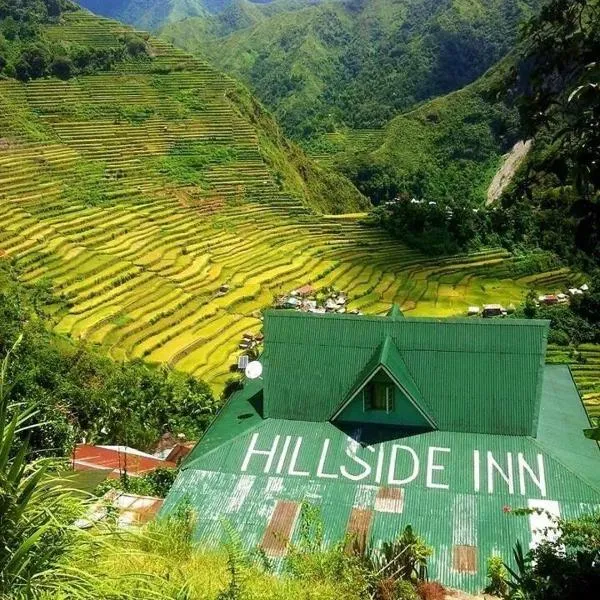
<point x="561" y="423"/>
<point x="475" y="375"/>
<point x="388" y="356"/>
<point x="118" y="459"/>
<point x="456" y="489"/>
<point x="132" y="510"/>
<point x="509" y="435"/>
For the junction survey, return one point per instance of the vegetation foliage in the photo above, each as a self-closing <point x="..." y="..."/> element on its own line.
<point x="26" y="52"/>
<point x="447" y="150"/>
<point x="552" y="202"/>
<point x="565" y="566"/>
<point x="78" y="393"/>
<point x="557" y="197"/>
<point x="154" y="483"/>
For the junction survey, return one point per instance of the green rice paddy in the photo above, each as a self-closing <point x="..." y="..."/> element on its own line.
<point x="102" y="194"/>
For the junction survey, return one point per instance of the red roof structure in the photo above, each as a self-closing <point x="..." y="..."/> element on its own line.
<point x="117" y="459"/>
<point x="306" y="290"/>
<point x="180" y="451"/>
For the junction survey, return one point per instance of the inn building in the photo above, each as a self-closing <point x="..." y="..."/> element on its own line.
<point x="448" y="425"/>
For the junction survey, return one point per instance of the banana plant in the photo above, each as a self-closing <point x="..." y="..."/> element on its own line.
<point x="27" y="497"/>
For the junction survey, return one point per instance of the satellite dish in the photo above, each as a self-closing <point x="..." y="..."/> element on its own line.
<point x="253" y="370"/>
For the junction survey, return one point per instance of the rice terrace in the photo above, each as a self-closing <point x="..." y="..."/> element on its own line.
<point x="159" y="260"/>
<point x="264" y="332"/>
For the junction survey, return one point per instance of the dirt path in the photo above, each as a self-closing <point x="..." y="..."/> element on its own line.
<point x="512" y="161"/>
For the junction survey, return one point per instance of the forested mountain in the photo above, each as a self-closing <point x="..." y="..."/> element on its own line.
<point x="445" y="152"/>
<point x="447" y="149"/>
<point x="353" y="62"/>
<point x="150" y="14"/>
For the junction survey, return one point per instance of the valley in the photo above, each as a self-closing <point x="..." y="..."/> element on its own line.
<point x="322" y="66"/>
<point x="98" y="200"/>
<point x="324" y="324"/>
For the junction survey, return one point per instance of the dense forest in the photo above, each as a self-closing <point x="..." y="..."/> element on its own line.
<point x="26" y="52"/>
<point x="445" y="151"/>
<point x="353" y="63"/>
<point x="546" y="92"/>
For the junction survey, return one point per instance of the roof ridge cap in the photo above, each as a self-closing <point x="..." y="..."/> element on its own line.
<point x="258" y="425"/>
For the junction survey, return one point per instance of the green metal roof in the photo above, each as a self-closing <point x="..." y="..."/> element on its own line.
<point x="395" y="312"/>
<point x="388" y="357"/>
<point x="472" y="375"/>
<point x="508" y="433"/>
<point x="454" y="488"/>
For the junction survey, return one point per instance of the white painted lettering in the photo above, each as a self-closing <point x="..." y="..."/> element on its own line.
<point x="270" y="454"/>
<point x="431" y="467"/>
<point x="507" y="475"/>
<point x="392" y="467"/>
<point x="321" y="467"/>
<point x="364" y="464"/>
<point x="282" y="457"/>
<point x="476" y="471"/>
<point x="292" y="468"/>
<point x="380" y="457"/>
<point x="539" y="480"/>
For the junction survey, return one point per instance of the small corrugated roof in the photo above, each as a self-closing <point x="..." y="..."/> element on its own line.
<point x="132" y="510"/>
<point x="117" y="459"/>
<point x="474" y="375"/>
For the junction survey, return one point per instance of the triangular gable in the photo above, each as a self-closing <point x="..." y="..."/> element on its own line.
<point x="395" y="312"/>
<point x="388" y="362"/>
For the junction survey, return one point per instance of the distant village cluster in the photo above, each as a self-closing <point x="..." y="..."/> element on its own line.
<point x="497" y="310"/>
<point x="309" y="299"/>
<point x="563" y="297"/>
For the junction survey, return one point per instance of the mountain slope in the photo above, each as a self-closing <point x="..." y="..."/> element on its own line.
<point x="446" y="150"/>
<point x="352" y="62"/>
<point x="159" y="203"/>
<point x="147" y="14"/>
<point x="151" y="14"/>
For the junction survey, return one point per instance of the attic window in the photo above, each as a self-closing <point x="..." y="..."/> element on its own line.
<point x="378" y="396"/>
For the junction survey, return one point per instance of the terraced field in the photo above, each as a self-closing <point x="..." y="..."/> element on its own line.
<point x="585" y="366"/>
<point x="141" y="192"/>
<point x="350" y="140"/>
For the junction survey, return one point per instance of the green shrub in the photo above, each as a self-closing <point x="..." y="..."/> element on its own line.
<point x="497" y="575"/>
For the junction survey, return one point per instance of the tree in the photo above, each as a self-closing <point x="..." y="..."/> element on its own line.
<point x="53" y="7"/>
<point x="135" y="45"/>
<point x="62" y="67"/>
<point x="33" y="62"/>
<point x="567" y="568"/>
<point x="564" y="74"/>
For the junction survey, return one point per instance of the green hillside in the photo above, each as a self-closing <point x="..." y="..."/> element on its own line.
<point x="156" y="200"/>
<point x="149" y="14"/>
<point x="446" y="150"/>
<point x="353" y="63"/>
<point x="152" y="14"/>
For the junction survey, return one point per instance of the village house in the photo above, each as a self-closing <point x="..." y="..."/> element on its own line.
<point x="381" y="422"/>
